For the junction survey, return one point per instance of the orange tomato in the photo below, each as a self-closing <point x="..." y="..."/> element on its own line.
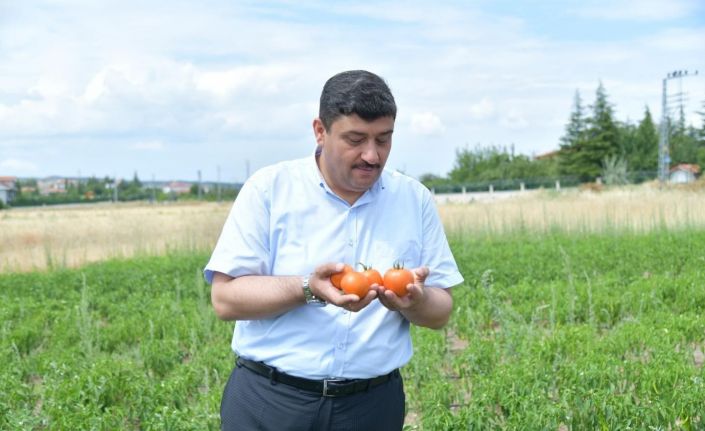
<point x="338" y="276"/>
<point x="397" y="278"/>
<point x="355" y="283"/>
<point x="373" y="276"/>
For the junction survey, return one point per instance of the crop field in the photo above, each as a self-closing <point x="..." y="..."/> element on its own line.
<point x="70" y="236"/>
<point x="569" y="326"/>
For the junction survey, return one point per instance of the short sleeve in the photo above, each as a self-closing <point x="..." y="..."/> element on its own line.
<point x="436" y="253"/>
<point x="243" y="245"/>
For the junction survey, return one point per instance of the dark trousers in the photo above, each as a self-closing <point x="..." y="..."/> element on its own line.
<point x="252" y="402"/>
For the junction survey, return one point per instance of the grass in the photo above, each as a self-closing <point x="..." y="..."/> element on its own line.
<point x="568" y="331"/>
<point x="577" y="312"/>
<point x="633" y="209"/>
<point x="66" y="237"/>
<point x="125" y="344"/>
<point x="565" y="331"/>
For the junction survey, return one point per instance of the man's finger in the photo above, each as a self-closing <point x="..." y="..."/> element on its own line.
<point x="420" y="274"/>
<point x="359" y="303"/>
<point x="328" y="269"/>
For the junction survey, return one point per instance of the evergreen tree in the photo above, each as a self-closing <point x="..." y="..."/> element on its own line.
<point x="602" y="136"/>
<point x="701" y="131"/>
<point x="584" y="156"/>
<point x="627" y="141"/>
<point x="701" y="140"/>
<point x="576" y="126"/>
<point x="643" y="156"/>
<point x="683" y="141"/>
<point x="571" y="144"/>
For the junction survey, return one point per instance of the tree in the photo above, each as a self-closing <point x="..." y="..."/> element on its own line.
<point x="136" y="183"/>
<point x="433" y="181"/>
<point x="643" y="155"/>
<point x="701" y="139"/>
<point x="496" y="165"/>
<point x="576" y="126"/>
<point x="602" y="136"/>
<point x="572" y="143"/>
<point x="683" y="141"/>
<point x="583" y="157"/>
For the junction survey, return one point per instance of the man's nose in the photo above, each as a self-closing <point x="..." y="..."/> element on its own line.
<point x="370" y="153"/>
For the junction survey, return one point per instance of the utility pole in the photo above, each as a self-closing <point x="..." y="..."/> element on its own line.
<point x="218" y="184"/>
<point x="154" y="190"/>
<point x="664" y="156"/>
<point x="199" y="184"/>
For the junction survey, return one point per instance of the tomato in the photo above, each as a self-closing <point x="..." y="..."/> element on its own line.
<point x="397" y="278"/>
<point x="373" y="276"/>
<point x="355" y="283"/>
<point x="338" y="276"/>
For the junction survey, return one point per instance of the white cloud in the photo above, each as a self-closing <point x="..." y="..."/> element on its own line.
<point x="49" y="87"/>
<point x="148" y="146"/>
<point x="18" y="167"/>
<point x="267" y="80"/>
<point x="427" y="124"/>
<point x="643" y="10"/>
<point x="678" y="40"/>
<point x="247" y="75"/>
<point x="514" y="120"/>
<point x="482" y="110"/>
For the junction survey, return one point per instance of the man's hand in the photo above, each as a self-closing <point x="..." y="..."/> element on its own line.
<point x="320" y="285"/>
<point x="422" y="305"/>
<point x="414" y="298"/>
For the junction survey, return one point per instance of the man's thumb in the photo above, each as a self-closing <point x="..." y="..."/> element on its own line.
<point x="328" y="269"/>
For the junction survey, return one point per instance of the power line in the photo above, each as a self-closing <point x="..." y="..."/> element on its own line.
<point x="664" y="157"/>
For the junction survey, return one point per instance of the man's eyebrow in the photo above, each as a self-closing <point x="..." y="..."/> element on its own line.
<point x="355" y="132"/>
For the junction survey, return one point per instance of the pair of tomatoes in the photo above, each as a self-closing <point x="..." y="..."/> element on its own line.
<point x="352" y="282"/>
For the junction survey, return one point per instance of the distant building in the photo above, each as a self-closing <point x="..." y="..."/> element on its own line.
<point x="52" y="186"/>
<point x="548" y="156"/>
<point x="684" y="173"/>
<point x="8" y="189"/>
<point x="177" y="188"/>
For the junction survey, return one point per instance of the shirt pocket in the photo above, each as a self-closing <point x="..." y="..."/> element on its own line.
<point x="383" y="255"/>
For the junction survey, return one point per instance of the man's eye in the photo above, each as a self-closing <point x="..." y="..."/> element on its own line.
<point x="356" y="141"/>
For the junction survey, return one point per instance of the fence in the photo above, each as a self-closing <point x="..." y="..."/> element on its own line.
<point x="528" y="183"/>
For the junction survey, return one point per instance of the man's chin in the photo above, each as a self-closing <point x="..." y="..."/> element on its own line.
<point x="362" y="184"/>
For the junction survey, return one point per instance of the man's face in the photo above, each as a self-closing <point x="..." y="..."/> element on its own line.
<point x="354" y="152"/>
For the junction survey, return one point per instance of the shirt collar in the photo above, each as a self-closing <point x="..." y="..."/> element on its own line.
<point x="316" y="176"/>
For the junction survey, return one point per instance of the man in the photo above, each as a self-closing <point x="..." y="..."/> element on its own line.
<point x="309" y="356"/>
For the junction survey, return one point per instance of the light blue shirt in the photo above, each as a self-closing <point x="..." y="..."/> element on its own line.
<point x="287" y="221"/>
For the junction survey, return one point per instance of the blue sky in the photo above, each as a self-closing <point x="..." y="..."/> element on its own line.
<point x="167" y="88"/>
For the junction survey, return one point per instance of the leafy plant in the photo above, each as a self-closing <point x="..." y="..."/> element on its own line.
<point x="614" y="170"/>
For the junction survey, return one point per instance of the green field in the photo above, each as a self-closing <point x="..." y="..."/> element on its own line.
<point x="559" y="332"/>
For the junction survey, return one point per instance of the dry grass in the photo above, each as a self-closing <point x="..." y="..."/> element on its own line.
<point x="636" y="209"/>
<point x="50" y="237"/>
<point x="40" y="238"/>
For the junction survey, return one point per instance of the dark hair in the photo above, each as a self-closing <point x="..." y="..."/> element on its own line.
<point x="356" y="92"/>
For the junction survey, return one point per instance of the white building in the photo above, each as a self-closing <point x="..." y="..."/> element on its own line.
<point x="684" y="173"/>
<point x="7" y="189"/>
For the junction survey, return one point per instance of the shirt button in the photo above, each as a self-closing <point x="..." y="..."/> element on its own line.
<point x="350" y="243"/>
<point x="340" y="346"/>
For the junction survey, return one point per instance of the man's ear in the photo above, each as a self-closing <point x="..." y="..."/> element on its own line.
<point x="319" y="131"/>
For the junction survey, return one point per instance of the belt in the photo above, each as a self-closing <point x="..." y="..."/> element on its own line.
<point x="326" y="388"/>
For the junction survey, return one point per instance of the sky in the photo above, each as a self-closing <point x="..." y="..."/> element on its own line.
<point x="166" y="89"/>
